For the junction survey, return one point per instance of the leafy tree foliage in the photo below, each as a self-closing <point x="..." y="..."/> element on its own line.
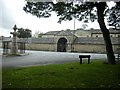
<point x="114" y="19"/>
<point x="24" y="33"/>
<point x="83" y="11"/>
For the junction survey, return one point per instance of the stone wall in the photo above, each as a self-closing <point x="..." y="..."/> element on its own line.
<point x="81" y="44"/>
<point x="77" y="48"/>
<point x="116" y="48"/>
<point x="89" y="48"/>
<point x="41" y="47"/>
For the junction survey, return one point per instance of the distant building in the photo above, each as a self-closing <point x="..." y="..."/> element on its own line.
<point x="84" y="33"/>
<point x="73" y="41"/>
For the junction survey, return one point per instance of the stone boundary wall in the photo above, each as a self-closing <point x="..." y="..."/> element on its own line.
<point x="93" y="48"/>
<point x="89" y="48"/>
<point x="81" y="44"/>
<point x="40" y="47"/>
<point x="86" y="48"/>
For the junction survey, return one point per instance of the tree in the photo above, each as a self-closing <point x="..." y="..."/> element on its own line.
<point x="114" y="19"/>
<point x="24" y="33"/>
<point x="81" y="11"/>
<point x="84" y="26"/>
<point x="38" y="34"/>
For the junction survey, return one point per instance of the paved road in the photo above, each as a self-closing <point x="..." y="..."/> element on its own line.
<point x="43" y="58"/>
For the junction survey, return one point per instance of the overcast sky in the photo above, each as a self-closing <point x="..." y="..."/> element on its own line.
<point x="12" y="13"/>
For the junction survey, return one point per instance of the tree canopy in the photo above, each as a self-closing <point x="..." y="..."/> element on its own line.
<point x="114" y="16"/>
<point x="67" y="11"/>
<point x="83" y="11"/>
<point x="24" y="33"/>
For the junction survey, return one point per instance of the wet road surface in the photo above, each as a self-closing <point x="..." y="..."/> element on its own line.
<point x="43" y="58"/>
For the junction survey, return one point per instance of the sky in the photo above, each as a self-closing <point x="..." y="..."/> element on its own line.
<point x="12" y="13"/>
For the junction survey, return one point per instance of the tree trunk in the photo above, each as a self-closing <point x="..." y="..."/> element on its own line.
<point x="106" y="35"/>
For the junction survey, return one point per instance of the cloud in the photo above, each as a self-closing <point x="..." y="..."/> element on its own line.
<point x="6" y="17"/>
<point x="12" y="13"/>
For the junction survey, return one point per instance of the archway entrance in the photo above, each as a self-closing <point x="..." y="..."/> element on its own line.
<point x="61" y="45"/>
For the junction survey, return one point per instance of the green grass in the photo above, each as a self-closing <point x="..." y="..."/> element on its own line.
<point x="68" y="75"/>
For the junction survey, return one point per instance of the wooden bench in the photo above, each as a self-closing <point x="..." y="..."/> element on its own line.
<point x="84" y="56"/>
<point x="118" y="57"/>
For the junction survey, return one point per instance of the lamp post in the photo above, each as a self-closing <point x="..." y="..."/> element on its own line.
<point x="73" y="34"/>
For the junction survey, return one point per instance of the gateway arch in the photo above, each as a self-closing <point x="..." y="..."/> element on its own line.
<point x="62" y="45"/>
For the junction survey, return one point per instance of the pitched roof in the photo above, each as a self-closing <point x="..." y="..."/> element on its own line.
<point x="37" y="40"/>
<point x="90" y="40"/>
<point x="7" y="39"/>
<point x="95" y="40"/>
<point x="23" y="40"/>
<point x="98" y="31"/>
<point x="65" y="33"/>
<point x="51" y="33"/>
<point x="70" y="32"/>
<point x="43" y="40"/>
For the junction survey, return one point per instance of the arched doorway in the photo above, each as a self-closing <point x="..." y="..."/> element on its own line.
<point x="61" y="45"/>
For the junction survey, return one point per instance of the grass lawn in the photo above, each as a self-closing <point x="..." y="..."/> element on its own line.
<point x="68" y="75"/>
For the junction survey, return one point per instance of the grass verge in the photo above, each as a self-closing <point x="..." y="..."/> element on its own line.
<point x="68" y="75"/>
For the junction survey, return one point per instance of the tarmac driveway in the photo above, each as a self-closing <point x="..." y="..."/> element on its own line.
<point x="44" y="58"/>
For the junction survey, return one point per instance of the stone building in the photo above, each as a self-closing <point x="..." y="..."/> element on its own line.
<point x="69" y="41"/>
<point x="73" y="41"/>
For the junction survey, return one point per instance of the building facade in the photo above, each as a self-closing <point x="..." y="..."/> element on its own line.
<point x="73" y="41"/>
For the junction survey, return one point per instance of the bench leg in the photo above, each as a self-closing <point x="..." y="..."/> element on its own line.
<point x="80" y="60"/>
<point x="88" y="60"/>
